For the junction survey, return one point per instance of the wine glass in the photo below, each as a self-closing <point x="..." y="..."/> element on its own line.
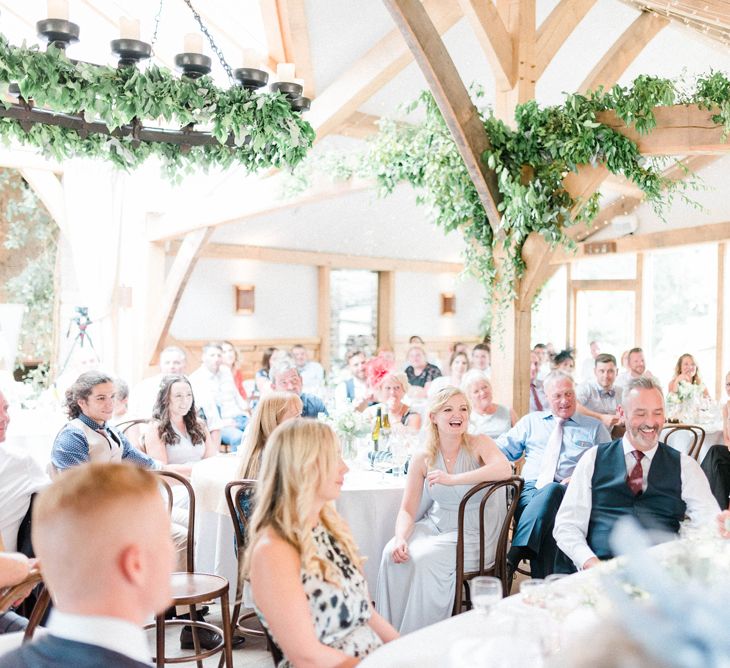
<point x="486" y="592"/>
<point x="532" y="590"/>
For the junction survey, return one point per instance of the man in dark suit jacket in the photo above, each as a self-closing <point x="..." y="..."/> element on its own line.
<point x="102" y="534"/>
<point x="637" y="476"/>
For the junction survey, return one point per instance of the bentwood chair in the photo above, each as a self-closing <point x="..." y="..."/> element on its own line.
<point x="191" y="589"/>
<point x="239" y="497"/>
<point x="512" y="488"/>
<point x="43" y="601"/>
<point x="696" y="435"/>
<point x="132" y="429"/>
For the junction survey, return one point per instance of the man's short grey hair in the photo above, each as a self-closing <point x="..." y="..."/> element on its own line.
<point x="282" y="366"/>
<point x="555" y="376"/>
<point x="640" y="383"/>
<point x="173" y="349"/>
<point x="473" y="376"/>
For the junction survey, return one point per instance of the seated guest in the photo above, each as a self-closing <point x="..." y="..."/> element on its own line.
<point x="538" y="400"/>
<point x="458" y="366"/>
<point x="418" y="568"/>
<point x="390" y="392"/>
<point x="552" y="442"/>
<point x="230" y="360"/>
<point x="173" y="362"/>
<point x="106" y="575"/>
<point x="481" y="357"/>
<point x="286" y="378"/>
<point x="121" y="401"/>
<point x="305" y="571"/>
<point x="716" y="463"/>
<point x="636" y="367"/>
<point x="420" y="372"/>
<point x="262" y="378"/>
<point x="600" y="399"/>
<point x="564" y="362"/>
<point x="486" y="417"/>
<point x="686" y="371"/>
<point x="354" y="391"/>
<point x="20" y="477"/>
<point x="14" y="568"/>
<point x="588" y="365"/>
<point x="87" y="437"/>
<point x="271" y="411"/>
<point x="311" y="372"/>
<point x="460" y="347"/>
<point x="636" y="476"/>
<point x="215" y="378"/>
<point x="176" y="436"/>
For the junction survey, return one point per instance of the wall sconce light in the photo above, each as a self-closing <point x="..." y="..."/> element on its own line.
<point x="448" y="303"/>
<point x="244" y="299"/>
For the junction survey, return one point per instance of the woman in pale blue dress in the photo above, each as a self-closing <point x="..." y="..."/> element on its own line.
<point x="486" y="417"/>
<point x="418" y="567"/>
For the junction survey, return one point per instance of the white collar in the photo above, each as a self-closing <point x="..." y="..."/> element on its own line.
<point x="110" y="633"/>
<point x="649" y="454"/>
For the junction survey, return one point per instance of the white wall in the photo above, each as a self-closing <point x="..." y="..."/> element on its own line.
<point x="285" y="301"/>
<point x="418" y="305"/>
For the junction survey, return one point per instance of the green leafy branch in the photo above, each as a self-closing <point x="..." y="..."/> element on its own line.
<point x="265" y="130"/>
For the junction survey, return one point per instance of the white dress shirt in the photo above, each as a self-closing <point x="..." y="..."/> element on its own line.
<point x="112" y="633"/>
<point x="360" y="388"/>
<point x="20" y="477"/>
<point x="312" y="375"/>
<point x="223" y="389"/>
<point x="573" y="518"/>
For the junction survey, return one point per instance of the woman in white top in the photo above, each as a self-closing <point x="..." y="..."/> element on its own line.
<point x="176" y="435"/>
<point x="458" y="366"/>
<point x="486" y="416"/>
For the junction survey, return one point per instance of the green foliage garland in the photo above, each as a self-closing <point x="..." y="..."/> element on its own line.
<point x="531" y="162"/>
<point x="267" y="133"/>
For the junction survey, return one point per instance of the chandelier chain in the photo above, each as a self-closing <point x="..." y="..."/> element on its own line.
<point x="157" y="25"/>
<point x="211" y="41"/>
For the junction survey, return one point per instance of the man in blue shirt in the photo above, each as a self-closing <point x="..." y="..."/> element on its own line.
<point x="87" y="437"/>
<point x="552" y="442"/>
<point x="285" y="378"/>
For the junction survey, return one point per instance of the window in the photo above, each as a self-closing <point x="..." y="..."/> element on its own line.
<point x="549" y="311"/>
<point x="354" y="304"/>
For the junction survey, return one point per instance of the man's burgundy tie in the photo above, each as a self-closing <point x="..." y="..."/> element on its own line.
<point x="636" y="477"/>
<point x="538" y="403"/>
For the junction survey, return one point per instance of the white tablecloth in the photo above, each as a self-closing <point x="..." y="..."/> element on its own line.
<point x="368" y="503"/>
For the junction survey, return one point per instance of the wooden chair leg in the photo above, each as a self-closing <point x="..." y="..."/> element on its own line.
<point x="160" y="658"/>
<point x="39" y="609"/>
<point x="227" y="630"/>
<point x="196" y="637"/>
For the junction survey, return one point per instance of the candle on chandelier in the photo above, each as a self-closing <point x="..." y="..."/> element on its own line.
<point x="58" y="9"/>
<point x="128" y="28"/>
<point x="252" y="59"/>
<point x="193" y="43"/>
<point x="285" y="72"/>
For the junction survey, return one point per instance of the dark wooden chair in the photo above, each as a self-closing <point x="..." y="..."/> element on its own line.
<point x="132" y="429"/>
<point x="239" y="497"/>
<point x="43" y="601"/>
<point x="192" y="589"/>
<point x="697" y="437"/>
<point x="513" y="489"/>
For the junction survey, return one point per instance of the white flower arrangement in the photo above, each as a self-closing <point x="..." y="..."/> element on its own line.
<point x="349" y="423"/>
<point x="686" y="393"/>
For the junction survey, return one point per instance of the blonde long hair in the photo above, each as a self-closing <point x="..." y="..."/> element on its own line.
<point x="267" y="417"/>
<point x="299" y="455"/>
<point x="439" y="400"/>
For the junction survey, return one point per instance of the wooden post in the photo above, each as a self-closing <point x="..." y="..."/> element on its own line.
<point x="386" y="309"/>
<point x="324" y="315"/>
<point x="639" y="300"/>
<point x="719" y="348"/>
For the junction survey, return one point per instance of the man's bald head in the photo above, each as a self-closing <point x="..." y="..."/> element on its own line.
<point x="102" y="534"/>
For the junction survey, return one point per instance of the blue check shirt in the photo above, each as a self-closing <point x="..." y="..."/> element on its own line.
<point x="312" y="405"/>
<point x="530" y="437"/>
<point x="71" y="448"/>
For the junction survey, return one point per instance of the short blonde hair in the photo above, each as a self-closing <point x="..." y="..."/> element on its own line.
<point x="438" y="401"/>
<point x="400" y="377"/>
<point x="267" y="417"/>
<point x="299" y="454"/>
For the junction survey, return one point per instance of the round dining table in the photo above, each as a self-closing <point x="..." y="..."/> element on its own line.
<point x="369" y="504"/>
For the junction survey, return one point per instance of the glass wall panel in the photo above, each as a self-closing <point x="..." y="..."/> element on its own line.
<point x="619" y="265"/>
<point x="680" y="297"/>
<point x="354" y="302"/>
<point x="549" y="311"/>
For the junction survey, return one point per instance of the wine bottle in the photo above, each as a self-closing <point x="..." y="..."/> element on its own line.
<point x="377" y="426"/>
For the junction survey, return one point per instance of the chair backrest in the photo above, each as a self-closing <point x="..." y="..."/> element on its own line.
<point x="239" y="498"/>
<point x="696" y="433"/>
<point x="513" y="487"/>
<point x="168" y="486"/>
<point x="133" y="430"/>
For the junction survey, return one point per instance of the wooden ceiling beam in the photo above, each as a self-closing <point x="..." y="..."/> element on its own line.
<point x="459" y="112"/>
<point x="371" y="72"/>
<point x="295" y="35"/>
<point x="49" y="189"/>
<point x="556" y="28"/>
<point x="222" y="251"/>
<point x="494" y="39"/>
<point x="624" y="51"/>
